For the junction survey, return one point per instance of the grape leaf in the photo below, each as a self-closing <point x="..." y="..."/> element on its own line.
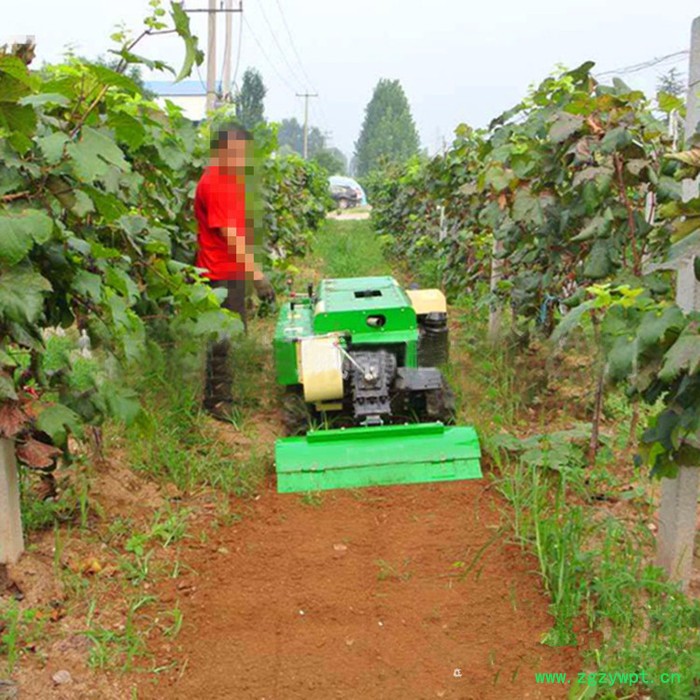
<point x="19" y="232"/>
<point x="684" y="354"/>
<point x="88" y="284"/>
<point x="52" y="146"/>
<point x="192" y="53"/>
<point x="92" y="154"/>
<point x="564" y="125"/>
<point x="57" y="420"/>
<point x="22" y="295"/>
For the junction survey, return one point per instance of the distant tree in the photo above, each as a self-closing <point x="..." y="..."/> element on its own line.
<point x="388" y="132"/>
<point x="333" y="160"/>
<point x="250" y="107"/>
<point x="671" y="82"/>
<point x="291" y="133"/>
<point x="317" y="141"/>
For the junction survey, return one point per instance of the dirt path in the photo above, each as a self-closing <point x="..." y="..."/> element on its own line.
<point x="404" y="592"/>
<point x="360" y="596"/>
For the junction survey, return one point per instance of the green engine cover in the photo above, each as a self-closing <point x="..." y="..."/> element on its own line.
<point x="370" y="310"/>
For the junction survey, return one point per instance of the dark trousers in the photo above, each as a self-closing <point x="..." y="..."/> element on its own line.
<point x="219" y="372"/>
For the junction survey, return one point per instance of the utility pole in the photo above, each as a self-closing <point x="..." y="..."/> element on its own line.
<point x="212" y="11"/>
<point x="211" y="57"/>
<point x="226" y="76"/>
<point x="679" y="496"/>
<point x="306" y="96"/>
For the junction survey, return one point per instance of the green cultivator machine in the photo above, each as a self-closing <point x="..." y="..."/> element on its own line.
<point x="366" y="404"/>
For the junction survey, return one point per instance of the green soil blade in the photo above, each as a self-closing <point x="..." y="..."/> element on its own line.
<point x="377" y="456"/>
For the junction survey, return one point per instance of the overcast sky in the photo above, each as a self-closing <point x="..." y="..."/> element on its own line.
<point x="458" y="60"/>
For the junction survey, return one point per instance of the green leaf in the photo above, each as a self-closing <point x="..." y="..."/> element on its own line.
<point x="120" y="280"/>
<point x="497" y="178"/>
<point x="526" y="208"/>
<point x="192" y="53"/>
<point x="6" y="360"/>
<point x="17" y="69"/>
<point x="122" y="404"/>
<point x="581" y="74"/>
<point x="621" y="359"/>
<point x="127" y="129"/>
<point x="78" y="244"/>
<point x="655" y="326"/>
<point x="10" y="180"/>
<point x="217" y="321"/>
<point x="591" y="173"/>
<point x="22" y="295"/>
<point x="667" y="102"/>
<point x="7" y="388"/>
<point x="572" y="320"/>
<point x="599" y="225"/>
<point x="598" y="264"/>
<point x="564" y="126"/>
<point x="19" y="119"/>
<point x="130" y="57"/>
<point x="107" y="76"/>
<point x="615" y="140"/>
<point x="158" y="241"/>
<point x="684" y="355"/>
<point x="19" y="232"/>
<point x="45" y="98"/>
<point x="11" y="90"/>
<point x="92" y="154"/>
<point x="57" y="420"/>
<point x="52" y="146"/>
<point x="83" y="204"/>
<point x="118" y="309"/>
<point x="173" y="156"/>
<point x="133" y="225"/>
<point x="88" y="284"/>
<point x="108" y="205"/>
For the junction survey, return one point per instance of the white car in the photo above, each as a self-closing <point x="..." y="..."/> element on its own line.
<point x="346" y="192"/>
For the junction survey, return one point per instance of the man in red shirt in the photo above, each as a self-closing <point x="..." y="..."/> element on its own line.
<point x="225" y="250"/>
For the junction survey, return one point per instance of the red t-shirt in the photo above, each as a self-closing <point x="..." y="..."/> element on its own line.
<point x="218" y="202"/>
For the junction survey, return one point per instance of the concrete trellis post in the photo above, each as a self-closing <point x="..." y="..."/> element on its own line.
<point x="11" y="539"/>
<point x="679" y="497"/>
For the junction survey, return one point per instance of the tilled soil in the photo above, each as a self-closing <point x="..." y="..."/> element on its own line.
<point x="404" y="592"/>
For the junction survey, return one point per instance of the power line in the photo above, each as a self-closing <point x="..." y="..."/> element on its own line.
<point x="265" y="56"/>
<point x="319" y="117"/>
<point x="278" y="45"/>
<point x="642" y="66"/>
<point x="293" y="45"/>
<point x="238" y="53"/>
<point x="324" y="119"/>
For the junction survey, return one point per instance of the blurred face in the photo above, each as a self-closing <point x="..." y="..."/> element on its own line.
<point x="234" y="156"/>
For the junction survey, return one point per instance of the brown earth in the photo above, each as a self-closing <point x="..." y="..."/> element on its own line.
<point x="363" y="596"/>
